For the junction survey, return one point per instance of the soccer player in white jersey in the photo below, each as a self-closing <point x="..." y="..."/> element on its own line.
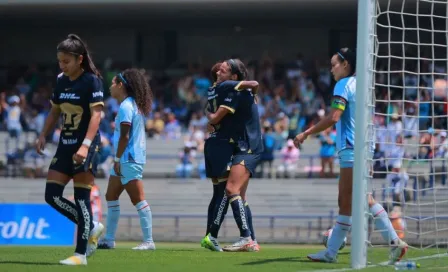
<point x="132" y="91"/>
<point x="343" y="67"/>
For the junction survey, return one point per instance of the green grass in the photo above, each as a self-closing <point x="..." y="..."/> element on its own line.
<point x="190" y="257"/>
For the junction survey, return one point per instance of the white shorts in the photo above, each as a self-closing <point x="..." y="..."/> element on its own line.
<point x="129" y="171"/>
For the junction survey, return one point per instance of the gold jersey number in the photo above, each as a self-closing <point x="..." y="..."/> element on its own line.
<point x="71" y="115"/>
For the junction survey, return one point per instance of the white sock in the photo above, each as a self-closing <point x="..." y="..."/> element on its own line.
<point x="340" y="230"/>
<point x="144" y="212"/>
<point x="383" y="224"/>
<point x="113" y="214"/>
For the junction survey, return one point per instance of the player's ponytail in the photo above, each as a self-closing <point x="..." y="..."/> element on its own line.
<point x="75" y="45"/>
<point x="137" y="87"/>
<point x="349" y="55"/>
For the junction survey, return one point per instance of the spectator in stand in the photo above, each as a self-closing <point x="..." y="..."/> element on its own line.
<point x="443" y="147"/>
<point x="270" y="145"/>
<point x="290" y="157"/>
<point x="327" y="151"/>
<point x="13" y="120"/>
<point x="155" y="126"/>
<point x="185" y="168"/>
<point x="172" y="127"/>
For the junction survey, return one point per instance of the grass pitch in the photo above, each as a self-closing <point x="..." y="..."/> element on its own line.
<point x="191" y="257"/>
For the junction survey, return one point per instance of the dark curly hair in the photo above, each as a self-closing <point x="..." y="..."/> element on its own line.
<point x="214" y="71"/>
<point x="137" y="87"/>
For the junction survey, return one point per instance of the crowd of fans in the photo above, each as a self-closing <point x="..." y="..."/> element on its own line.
<point x="292" y="95"/>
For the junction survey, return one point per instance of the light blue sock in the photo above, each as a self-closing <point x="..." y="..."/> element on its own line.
<point x="383" y="224"/>
<point x="113" y="214"/>
<point x="340" y="230"/>
<point x="144" y="212"/>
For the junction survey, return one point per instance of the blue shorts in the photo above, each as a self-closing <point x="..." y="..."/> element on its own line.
<point x="346" y="158"/>
<point x="129" y="171"/>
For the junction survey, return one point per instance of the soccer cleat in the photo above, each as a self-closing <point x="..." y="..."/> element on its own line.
<point x="256" y="247"/>
<point x="105" y="244"/>
<point x="211" y="243"/>
<point x="75" y="260"/>
<point x="322" y="257"/>
<point x="145" y="246"/>
<point x="95" y="234"/>
<point x="397" y="251"/>
<point x="243" y="244"/>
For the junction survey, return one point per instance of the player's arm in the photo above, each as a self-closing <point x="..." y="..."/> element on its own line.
<point x="338" y="104"/>
<point x="96" y="107"/>
<point x="53" y="116"/>
<point x="251" y="84"/>
<point x="125" y="117"/>
<point x="229" y="105"/>
<point x="337" y="109"/>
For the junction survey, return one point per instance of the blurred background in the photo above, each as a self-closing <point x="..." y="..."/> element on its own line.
<point x="286" y="46"/>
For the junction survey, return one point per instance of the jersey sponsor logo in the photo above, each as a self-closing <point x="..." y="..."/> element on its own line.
<point x="69" y="141"/>
<point x="97" y="94"/>
<point x="212" y="97"/>
<point x="228" y="99"/>
<point x="25" y="229"/>
<point x="68" y="96"/>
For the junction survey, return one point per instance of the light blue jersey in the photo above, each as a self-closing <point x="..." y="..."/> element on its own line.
<point x="128" y="112"/>
<point x="345" y="127"/>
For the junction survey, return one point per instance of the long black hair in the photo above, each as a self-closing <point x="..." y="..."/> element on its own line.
<point x="237" y="68"/>
<point x="137" y="87"/>
<point x="349" y="55"/>
<point x="75" y="46"/>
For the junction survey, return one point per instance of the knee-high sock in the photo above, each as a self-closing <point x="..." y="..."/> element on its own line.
<point x="113" y="215"/>
<point x="239" y="213"/>
<point x="220" y="209"/>
<point x="53" y="196"/>
<point x="249" y="220"/>
<point x="383" y="224"/>
<point x="340" y="230"/>
<point x="85" y="223"/>
<point x="144" y="212"/>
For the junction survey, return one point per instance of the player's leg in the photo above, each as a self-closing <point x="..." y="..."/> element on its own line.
<point x="54" y="190"/>
<point x="132" y="175"/>
<point x="211" y="206"/>
<point x="249" y="216"/>
<point x="344" y="219"/>
<point x="239" y="174"/>
<point x="114" y="190"/>
<point x="389" y="234"/>
<point x="220" y="206"/>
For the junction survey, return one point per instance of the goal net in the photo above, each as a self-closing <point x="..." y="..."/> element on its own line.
<point x="408" y="98"/>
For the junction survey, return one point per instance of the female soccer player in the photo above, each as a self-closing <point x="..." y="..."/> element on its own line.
<point x="243" y="129"/>
<point x="343" y="68"/>
<point x="78" y="97"/>
<point x="132" y="91"/>
<point x="216" y="166"/>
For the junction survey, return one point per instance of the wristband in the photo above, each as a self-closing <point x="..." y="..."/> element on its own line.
<point x="116" y="159"/>
<point x="87" y="142"/>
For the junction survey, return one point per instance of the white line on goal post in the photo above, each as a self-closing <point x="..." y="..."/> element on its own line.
<point x="383" y="264"/>
<point x="364" y="66"/>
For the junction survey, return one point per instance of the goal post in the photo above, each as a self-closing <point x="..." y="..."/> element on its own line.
<point x="364" y="85"/>
<point x="402" y="107"/>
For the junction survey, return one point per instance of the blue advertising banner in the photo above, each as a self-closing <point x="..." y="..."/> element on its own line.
<point x="34" y="224"/>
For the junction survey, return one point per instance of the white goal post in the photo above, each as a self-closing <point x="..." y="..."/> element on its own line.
<point x="402" y="106"/>
<point x="365" y="47"/>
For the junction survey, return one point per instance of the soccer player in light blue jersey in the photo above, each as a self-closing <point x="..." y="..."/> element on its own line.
<point x="132" y="91"/>
<point x="343" y="68"/>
